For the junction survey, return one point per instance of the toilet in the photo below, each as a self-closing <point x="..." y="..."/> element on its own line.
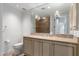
<point x="18" y="48"/>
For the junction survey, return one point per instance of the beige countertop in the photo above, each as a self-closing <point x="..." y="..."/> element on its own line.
<point x="58" y="38"/>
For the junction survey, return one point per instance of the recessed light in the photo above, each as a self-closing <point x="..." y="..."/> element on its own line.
<point x="48" y="7"/>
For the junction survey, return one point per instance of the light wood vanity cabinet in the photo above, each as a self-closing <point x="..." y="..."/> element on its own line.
<point x="63" y="49"/>
<point x="46" y="48"/>
<point x="40" y="47"/>
<point x="28" y="46"/>
<point x="52" y="47"/>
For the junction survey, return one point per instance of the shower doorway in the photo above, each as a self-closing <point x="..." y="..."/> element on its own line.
<point x="60" y="25"/>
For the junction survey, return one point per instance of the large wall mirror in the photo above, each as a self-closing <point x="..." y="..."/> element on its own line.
<point x="54" y="18"/>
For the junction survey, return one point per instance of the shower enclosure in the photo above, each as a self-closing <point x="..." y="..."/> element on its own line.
<point x="60" y="26"/>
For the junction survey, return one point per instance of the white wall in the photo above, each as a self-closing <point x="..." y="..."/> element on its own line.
<point x="15" y="25"/>
<point x="27" y="25"/>
<point x="12" y="26"/>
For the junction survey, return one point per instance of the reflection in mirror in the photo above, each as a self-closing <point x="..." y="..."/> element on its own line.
<point x="42" y="24"/>
<point x="58" y="15"/>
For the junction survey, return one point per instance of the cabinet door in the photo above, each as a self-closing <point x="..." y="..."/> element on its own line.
<point x="46" y="48"/>
<point x="28" y="46"/>
<point x="62" y="49"/>
<point x="37" y="48"/>
<point x="52" y="46"/>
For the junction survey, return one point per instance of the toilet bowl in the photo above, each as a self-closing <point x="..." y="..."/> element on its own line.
<point x="18" y="48"/>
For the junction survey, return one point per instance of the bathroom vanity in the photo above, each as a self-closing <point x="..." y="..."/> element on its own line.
<point x="60" y="21"/>
<point x="51" y="45"/>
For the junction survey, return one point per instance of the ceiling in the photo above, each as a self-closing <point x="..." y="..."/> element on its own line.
<point x="27" y="6"/>
<point x="43" y="9"/>
<point x="63" y="9"/>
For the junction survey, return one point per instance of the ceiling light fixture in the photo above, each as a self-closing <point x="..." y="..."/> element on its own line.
<point x="44" y="17"/>
<point x="37" y="17"/>
<point x="57" y="13"/>
<point x="48" y="7"/>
